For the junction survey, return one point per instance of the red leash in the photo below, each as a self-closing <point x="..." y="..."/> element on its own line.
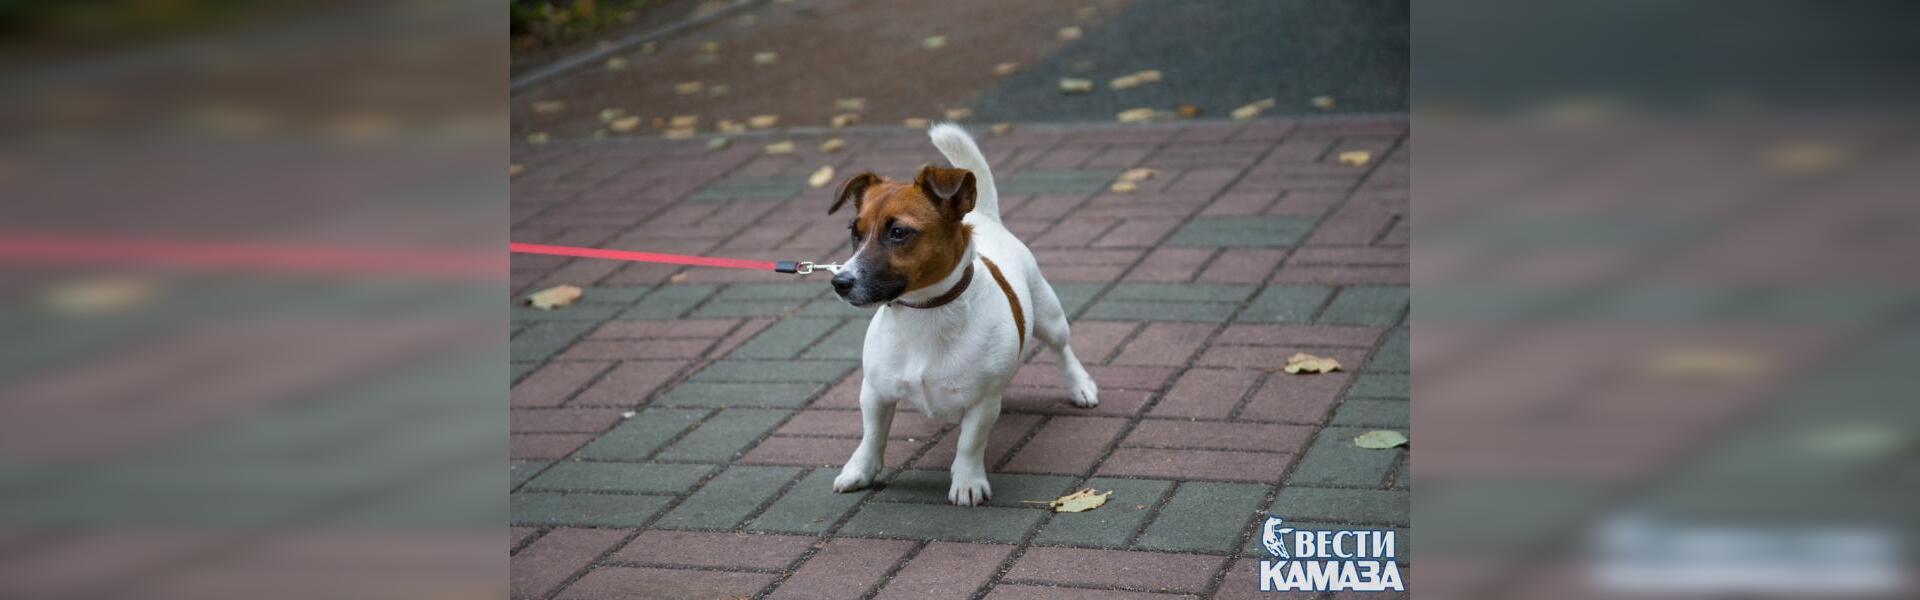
<point x="784" y="266"/>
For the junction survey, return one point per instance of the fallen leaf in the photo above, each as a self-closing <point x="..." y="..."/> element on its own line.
<point x="1253" y="110"/>
<point x="1135" y="80"/>
<point x="688" y="88"/>
<point x="1144" y="115"/>
<point x="628" y="414"/>
<point x="1705" y="363"/>
<point x="98" y="296"/>
<point x="718" y="143"/>
<point x="548" y="106"/>
<point x="1302" y="363"/>
<point x="955" y="114"/>
<point x="1069" y="85"/>
<point x="516" y="169"/>
<point x="727" y="126"/>
<point x="537" y="138"/>
<point x="1069" y="33"/>
<point x="785" y="147"/>
<point x="684" y="121"/>
<point x="1380" y="440"/>
<point x="1355" y="158"/>
<point x="1803" y="157"/>
<point x="624" y="124"/>
<point x="717" y="90"/>
<point x="1006" y="68"/>
<point x="616" y="63"/>
<point x="709" y="47"/>
<point x="681" y="133"/>
<point x="844" y="119"/>
<point x="1140" y="174"/>
<point x="821" y="178"/>
<point x="1081" y="501"/>
<point x="609" y="114"/>
<point x="1124" y="187"/>
<point x="659" y="122"/>
<point x="851" y="104"/>
<point x="705" y="59"/>
<point x="677" y="278"/>
<point x="766" y="58"/>
<point x="917" y="123"/>
<point x="646" y="48"/>
<point x="1188" y="111"/>
<point x="554" y="297"/>
<point x="833" y="145"/>
<point x="1002" y="128"/>
<point x="763" y="121"/>
<point x="934" y="42"/>
<point x="1322" y="102"/>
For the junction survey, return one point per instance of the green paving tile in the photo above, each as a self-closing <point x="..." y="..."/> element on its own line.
<point x="1285" y="304"/>
<point x="742" y="394"/>
<point x="636" y="438"/>
<point x="1057" y="182"/>
<point x="1338" y="505"/>
<point x="519" y="472"/>
<point x="809" y="507"/>
<point x="763" y="189"/>
<point x="618" y="477"/>
<point x="578" y="312"/>
<point x="543" y="340"/>
<point x="1366" y="305"/>
<point x="1183" y="292"/>
<point x="843" y="344"/>
<point x="785" y="338"/>
<point x="1394" y="354"/>
<point x="1333" y="459"/>
<point x="775" y="291"/>
<point x="1204" y="517"/>
<point x="1376" y="385"/>
<point x="1075" y="296"/>
<point x="1111" y="525"/>
<point x="746" y="308"/>
<point x="834" y="307"/>
<point x="614" y="294"/>
<point x="728" y="498"/>
<point x="668" y="302"/>
<point x="816" y="371"/>
<point x="1371" y="412"/>
<point x="724" y="435"/>
<point x="1242" y="231"/>
<point x="943" y="522"/>
<point x="1125" y="310"/>
<point x="1008" y="489"/>
<point x="520" y="369"/>
<point x="588" y="510"/>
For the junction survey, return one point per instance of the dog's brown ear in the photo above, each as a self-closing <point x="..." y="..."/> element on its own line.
<point x="855" y="187"/>
<point x="952" y="189"/>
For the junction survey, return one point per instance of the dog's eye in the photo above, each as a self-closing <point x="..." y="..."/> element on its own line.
<point x="898" y="234"/>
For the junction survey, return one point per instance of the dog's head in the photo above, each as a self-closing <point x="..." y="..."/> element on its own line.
<point x="906" y="236"/>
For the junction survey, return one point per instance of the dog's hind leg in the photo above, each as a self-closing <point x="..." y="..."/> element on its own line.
<point x="969" y="470"/>
<point x="877" y="417"/>
<point x="1050" y="325"/>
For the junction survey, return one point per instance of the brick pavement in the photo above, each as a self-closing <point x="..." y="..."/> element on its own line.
<point x="1252" y="244"/>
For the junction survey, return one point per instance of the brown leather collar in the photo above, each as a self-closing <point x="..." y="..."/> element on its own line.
<point x="947" y="298"/>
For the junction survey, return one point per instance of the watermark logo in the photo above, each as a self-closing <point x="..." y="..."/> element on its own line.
<point x="1328" y="560"/>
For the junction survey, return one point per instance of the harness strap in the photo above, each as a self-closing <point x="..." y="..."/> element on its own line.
<point x="1019" y="317"/>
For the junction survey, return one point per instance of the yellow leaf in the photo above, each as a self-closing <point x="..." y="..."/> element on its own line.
<point x="537" y="138"/>
<point x="1141" y="174"/>
<point x="1002" y="128"/>
<point x="844" y="119"/>
<point x="1006" y="68"/>
<point x="1124" y="187"/>
<point x="624" y="124"/>
<point x="934" y="42"/>
<point x="554" y="297"/>
<point x="1069" y="85"/>
<point x="1380" y="440"/>
<point x="1134" y="80"/>
<point x="1135" y="115"/>
<point x="609" y="114"/>
<point x="1323" y="102"/>
<point x="1081" y="501"/>
<point x="99" y="296"/>
<point x="821" y="178"/>
<point x="726" y="126"/>
<point x="956" y="114"/>
<point x="1069" y="33"/>
<point x="850" y="104"/>
<point x="1253" y="110"/>
<point x="763" y="121"/>
<point x="766" y="58"/>
<point x="680" y="133"/>
<point x="718" y="143"/>
<point x="676" y="278"/>
<point x="917" y="123"/>
<point x="542" y="107"/>
<point x="785" y="147"/>
<point x="1188" y="111"/>
<point x="684" y="121"/>
<point x="1307" y="363"/>
<point x="516" y="169"/>
<point x="833" y="145"/>
<point x="616" y="63"/>
<point x="1356" y="158"/>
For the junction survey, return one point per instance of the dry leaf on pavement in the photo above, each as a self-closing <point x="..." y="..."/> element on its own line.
<point x="850" y="104"/>
<point x="676" y="278"/>
<point x="717" y="90"/>
<point x="537" y="138"/>
<point x="844" y="119"/>
<point x="1253" y="110"/>
<point x="1303" y="363"/>
<point x="763" y="121"/>
<point x="681" y="133"/>
<point x="688" y="88"/>
<point x="624" y="124"/>
<point x="934" y="42"/>
<point x="1005" y="68"/>
<point x="554" y="297"/>
<point x="1069" y="85"/>
<point x="917" y="123"/>
<point x="609" y="114"/>
<point x="516" y="169"/>
<point x="1124" y="187"/>
<point x="1069" y="33"/>
<point x="616" y="63"/>
<point x="684" y="121"/>
<point x="1188" y="111"/>
<point x="833" y="145"/>
<point x="1135" y="80"/>
<point x="821" y="178"/>
<point x="542" y="107"/>
<point x="956" y="114"/>
<point x="1081" y="501"/>
<point x="1002" y="128"/>
<point x="1380" y="440"/>
<point x="1355" y="158"/>
<point x="718" y="143"/>
<point x="1323" y="102"/>
<point x="1141" y="174"/>
<point x="766" y="58"/>
<point x="785" y="147"/>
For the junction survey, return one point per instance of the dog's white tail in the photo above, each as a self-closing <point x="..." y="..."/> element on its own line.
<point x="964" y="154"/>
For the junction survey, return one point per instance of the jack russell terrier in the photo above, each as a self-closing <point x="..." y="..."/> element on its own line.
<point x="958" y="298"/>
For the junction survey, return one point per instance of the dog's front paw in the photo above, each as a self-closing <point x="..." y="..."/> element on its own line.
<point x="1085" y="393"/>
<point x="969" y="490"/>
<point x="852" y="479"/>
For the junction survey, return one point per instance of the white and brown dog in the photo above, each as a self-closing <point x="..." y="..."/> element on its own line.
<point x="958" y="298"/>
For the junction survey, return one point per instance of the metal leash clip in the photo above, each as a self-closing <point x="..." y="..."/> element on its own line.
<point x="805" y="267"/>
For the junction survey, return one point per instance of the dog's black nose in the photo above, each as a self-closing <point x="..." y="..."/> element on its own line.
<point x="842" y="283"/>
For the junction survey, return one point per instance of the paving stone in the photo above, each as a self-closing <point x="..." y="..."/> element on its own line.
<point x="519" y="472"/>
<point x="943" y="522"/>
<point x="1048" y="592"/>
<point x="1375" y="385"/>
<point x="1285" y="304"/>
<point x="1206" y="393"/>
<point x="620" y="582"/>
<point x="1057" y="182"/>
<point x="847" y="424"/>
<point x="946" y="571"/>
<point x="749" y="188"/>
<point x="724" y="435"/>
<point x="1295" y="399"/>
<point x="1196" y="464"/>
<point x="1117" y="568"/>
<point x="1333" y="459"/>
<point x="713" y="550"/>
<point x="1366" y="305"/>
<point x="1129" y="310"/>
<point x="843" y="344"/>
<point x="845" y="567"/>
<point x="741" y="394"/>
<point x="541" y="341"/>
<point x="1188" y="292"/>
<point x="785" y="338"/>
<point x="1243" y="583"/>
<point x="619" y="477"/>
<point x="1067" y="445"/>
<point x="563" y="420"/>
<point x="818" y="452"/>
<point x="1242" y="231"/>
<point x="1273" y="359"/>
<point x="1011" y="429"/>
<point x="587" y="510"/>
<point x="1111" y="525"/>
<point x="775" y="291"/>
<point x="630" y="383"/>
<point x="748" y="308"/>
<point x="1299" y="335"/>
<point x="1394" y="355"/>
<point x="1075" y="296"/>
<point x="634" y="349"/>
<point x="548" y="562"/>
<point x="1204" y="517"/>
<point x="1009" y="489"/>
<point x="1341" y="505"/>
<point x="1369" y="412"/>
<point x="834" y="307"/>
<point x="531" y="446"/>
<point x="1213" y="435"/>
<point x="669" y="302"/>
<point x="728" y="498"/>
<point x="816" y="371"/>
<point x="637" y="438"/>
<point x="684" y="328"/>
<point x="578" y="312"/>
<point x="810" y="506"/>
<point x="519" y="369"/>
<point x="1165" y="344"/>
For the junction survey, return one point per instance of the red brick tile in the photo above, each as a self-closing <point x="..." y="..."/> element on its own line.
<point x="630" y="383"/>
<point x="1170" y="264"/>
<point x="1300" y="335"/>
<point x="1301" y="203"/>
<point x="1197" y="464"/>
<point x="1206" y="393"/>
<point x="739" y="336"/>
<point x="634" y="349"/>
<point x="845" y="568"/>
<point x="1243" y="265"/>
<point x="550" y="560"/>
<point x="551" y="384"/>
<point x="823" y="452"/>
<point x="682" y="328"/>
<point x="717" y="550"/>
<point x="1356" y="255"/>
<point x="845" y="394"/>
<point x="1093" y="341"/>
<point x="846" y="423"/>
<point x="1116" y="378"/>
<point x="1138" y="232"/>
<point x="1214" y="435"/>
<point x="1052" y="400"/>
<point x="1078" y="232"/>
<point x="1007" y="431"/>
<point x="1041" y="207"/>
<point x="946" y="570"/>
<point x="610" y="583"/>
<point x="1054" y="258"/>
<point x="1083" y="273"/>
<point x="1117" y="568"/>
<point x="1295" y="399"/>
<point x="1067" y="445"/>
<point x="1047" y="592"/>
<point x="1243" y="583"/>
<point x="531" y="446"/>
<point x="1274" y="357"/>
<point x="1165" y="344"/>
<point x="564" y="420"/>
<point x="519" y="535"/>
<point x="1342" y="275"/>
<point x="1239" y="204"/>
